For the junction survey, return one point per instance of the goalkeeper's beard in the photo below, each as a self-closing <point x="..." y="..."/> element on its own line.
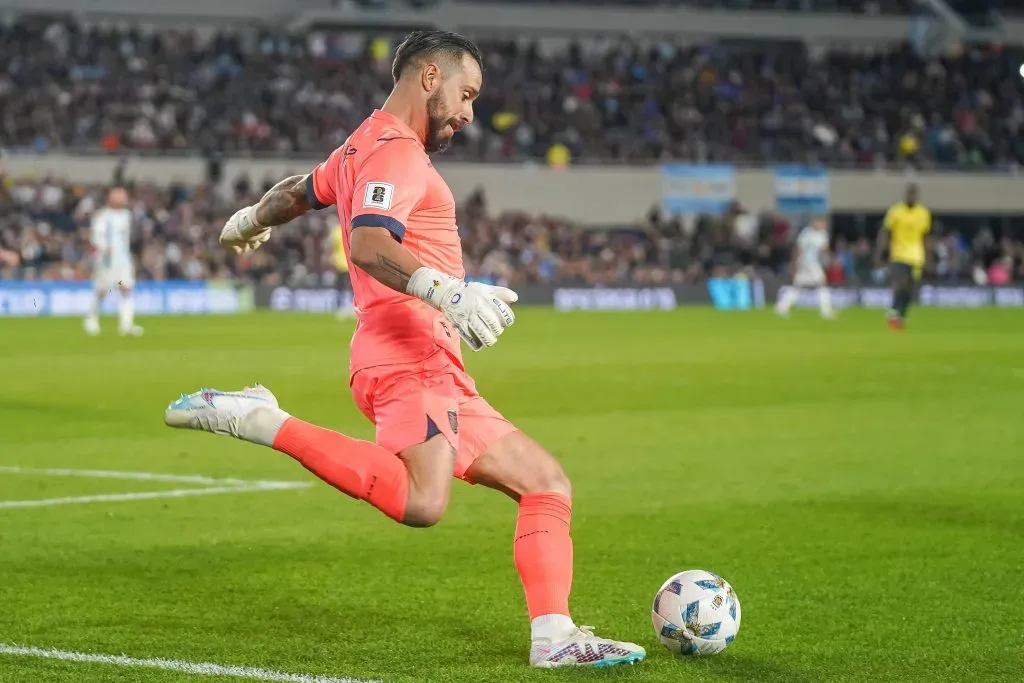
<point x="437" y="120"/>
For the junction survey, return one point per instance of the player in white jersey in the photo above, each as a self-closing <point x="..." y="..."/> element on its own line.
<point x="809" y="254"/>
<point x="112" y="262"/>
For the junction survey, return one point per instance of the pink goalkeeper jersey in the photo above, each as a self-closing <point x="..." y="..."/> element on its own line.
<point x="382" y="177"/>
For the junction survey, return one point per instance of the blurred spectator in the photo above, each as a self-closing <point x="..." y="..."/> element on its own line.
<point x="176" y="229"/>
<point x="835" y="271"/>
<point x="63" y="85"/>
<point x="999" y="273"/>
<point x="972" y="10"/>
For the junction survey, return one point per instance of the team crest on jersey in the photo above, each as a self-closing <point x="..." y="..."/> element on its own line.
<point x="378" y="195"/>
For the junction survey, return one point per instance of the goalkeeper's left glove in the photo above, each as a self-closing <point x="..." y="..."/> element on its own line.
<point x="478" y="312"/>
<point x="242" y="233"/>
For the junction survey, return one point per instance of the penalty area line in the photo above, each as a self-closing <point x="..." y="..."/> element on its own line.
<point x="180" y="666"/>
<point x="149" y="495"/>
<point x="204" y="486"/>
<point x="114" y="474"/>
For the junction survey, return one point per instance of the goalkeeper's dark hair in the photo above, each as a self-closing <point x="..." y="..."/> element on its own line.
<point x="421" y="45"/>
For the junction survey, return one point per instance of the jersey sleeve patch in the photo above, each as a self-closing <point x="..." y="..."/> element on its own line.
<point x="379" y="195"/>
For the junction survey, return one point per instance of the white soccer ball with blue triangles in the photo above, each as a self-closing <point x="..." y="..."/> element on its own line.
<point x="696" y="613"/>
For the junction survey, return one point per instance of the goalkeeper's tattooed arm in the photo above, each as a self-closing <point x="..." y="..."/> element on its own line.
<point x="478" y="312"/>
<point x="250" y="226"/>
<point x="283" y="202"/>
<point x="376" y="251"/>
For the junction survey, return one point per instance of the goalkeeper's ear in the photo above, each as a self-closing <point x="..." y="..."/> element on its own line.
<point x="505" y="294"/>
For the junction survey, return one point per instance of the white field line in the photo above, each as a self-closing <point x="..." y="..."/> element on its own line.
<point x="193" y="668"/>
<point x="149" y="495"/>
<point x="205" y="486"/>
<point x="112" y="474"/>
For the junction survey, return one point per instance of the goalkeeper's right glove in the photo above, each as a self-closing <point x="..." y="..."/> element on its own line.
<point x="242" y="233"/>
<point x="478" y="312"/>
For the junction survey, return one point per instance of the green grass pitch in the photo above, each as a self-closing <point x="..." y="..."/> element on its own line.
<point x="860" y="488"/>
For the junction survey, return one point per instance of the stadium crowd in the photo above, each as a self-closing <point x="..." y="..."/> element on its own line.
<point x="45" y="221"/>
<point x="108" y="89"/>
<point x="869" y="7"/>
<point x="844" y="6"/>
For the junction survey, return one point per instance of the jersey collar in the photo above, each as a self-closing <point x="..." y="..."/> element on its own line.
<point x="391" y="119"/>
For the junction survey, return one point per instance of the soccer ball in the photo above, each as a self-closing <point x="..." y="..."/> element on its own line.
<point x="696" y="613"/>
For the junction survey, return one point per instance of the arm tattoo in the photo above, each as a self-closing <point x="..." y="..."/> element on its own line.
<point x="285" y="201"/>
<point x="392" y="274"/>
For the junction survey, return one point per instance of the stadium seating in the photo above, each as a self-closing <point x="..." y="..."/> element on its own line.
<point x="177" y="228"/>
<point x="851" y="6"/>
<point x="866" y="7"/>
<point x="584" y="101"/>
<point x="68" y="87"/>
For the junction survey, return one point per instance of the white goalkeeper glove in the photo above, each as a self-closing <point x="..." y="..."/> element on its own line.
<point x="242" y="233"/>
<point x="478" y="312"/>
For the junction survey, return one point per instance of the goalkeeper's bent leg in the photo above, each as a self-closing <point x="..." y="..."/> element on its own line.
<point x="357" y="468"/>
<point x="360" y="469"/>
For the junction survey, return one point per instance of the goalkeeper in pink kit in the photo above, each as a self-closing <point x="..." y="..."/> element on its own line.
<point x="406" y="368"/>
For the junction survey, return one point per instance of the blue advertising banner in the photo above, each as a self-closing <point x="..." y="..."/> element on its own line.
<point x="801" y="189"/>
<point x="615" y="299"/>
<point x="736" y="293"/>
<point x="938" y="296"/>
<point x="697" y="188"/>
<point x="20" y="298"/>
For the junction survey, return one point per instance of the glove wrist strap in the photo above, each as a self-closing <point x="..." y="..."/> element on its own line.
<point x="426" y="285"/>
<point x="252" y="218"/>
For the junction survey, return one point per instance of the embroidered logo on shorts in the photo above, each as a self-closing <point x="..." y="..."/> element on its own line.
<point x="378" y="195"/>
<point x="453" y="420"/>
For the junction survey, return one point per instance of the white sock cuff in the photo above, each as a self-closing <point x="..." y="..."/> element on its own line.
<point x="552" y="627"/>
<point x="263" y="424"/>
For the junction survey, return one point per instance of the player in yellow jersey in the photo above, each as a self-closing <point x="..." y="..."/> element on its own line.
<point x="906" y="226"/>
<point x="345" y="310"/>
